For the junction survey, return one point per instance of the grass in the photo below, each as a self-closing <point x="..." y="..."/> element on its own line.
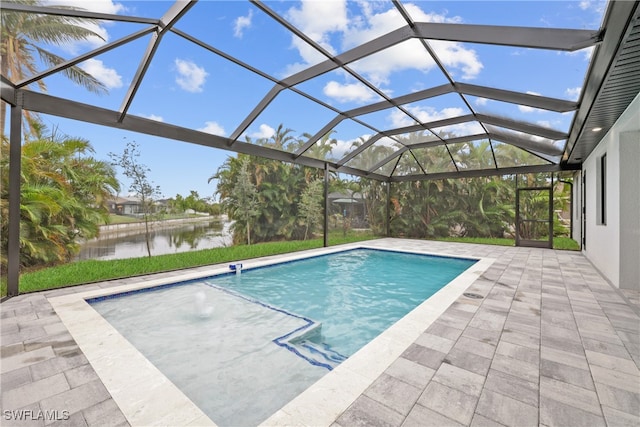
<point x="562" y="243"/>
<point x="565" y="243"/>
<point x="88" y="271"/>
<point x="122" y="219"/>
<point x="479" y="240"/>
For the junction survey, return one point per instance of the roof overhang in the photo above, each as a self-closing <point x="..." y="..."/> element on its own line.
<point x="612" y="82"/>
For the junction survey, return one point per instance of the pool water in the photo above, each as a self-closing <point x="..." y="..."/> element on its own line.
<point x="355" y="294"/>
<point x="242" y="346"/>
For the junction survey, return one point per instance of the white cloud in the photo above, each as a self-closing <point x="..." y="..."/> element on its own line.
<point x="241" y="23"/>
<point x="265" y="131"/>
<point x="213" y="128"/>
<point x="293" y="68"/>
<point x="527" y="109"/>
<point x="481" y="101"/>
<point x="348" y="92"/>
<point x="429" y="114"/>
<point x="529" y="136"/>
<point x="190" y="77"/>
<point x="377" y="24"/>
<point x="105" y="75"/>
<point x="380" y="66"/>
<point x="456" y="56"/>
<point x="318" y="19"/>
<point x="387" y="142"/>
<point x="424" y="114"/>
<point x="341" y="148"/>
<point x="152" y="117"/>
<point x="573" y="93"/>
<point x="463" y="129"/>
<point x="326" y="23"/>
<point x="101" y="6"/>
<point x="587" y="52"/>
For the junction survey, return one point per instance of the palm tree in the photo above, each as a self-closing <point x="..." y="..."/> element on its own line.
<point x="321" y="150"/>
<point x="278" y="186"/>
<point x="281" y="138"/>
<point x="24" y="34"/>
<point x="371" y="155"/>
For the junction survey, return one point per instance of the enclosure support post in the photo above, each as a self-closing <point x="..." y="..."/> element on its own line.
<point x="326" y="206"/>
<point x="517" y="213"/>
<point x="388" y="210"/>
<point x="517" y="236"/>
<point x="551" y="213"/>
<point x="15" y="157"/>
<point x="570" y="184"/>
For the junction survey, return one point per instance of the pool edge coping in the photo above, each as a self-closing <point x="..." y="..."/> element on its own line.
<point x="323" y="402"/>
<point x="336" y="390"/>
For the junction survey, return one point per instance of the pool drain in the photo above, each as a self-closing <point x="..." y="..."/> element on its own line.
<point x="472" y="295"/>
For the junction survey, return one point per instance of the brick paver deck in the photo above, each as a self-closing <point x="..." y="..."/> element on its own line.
<point x="551" y="343"/>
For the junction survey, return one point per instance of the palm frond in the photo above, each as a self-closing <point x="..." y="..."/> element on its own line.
<point x="75" y="73"/>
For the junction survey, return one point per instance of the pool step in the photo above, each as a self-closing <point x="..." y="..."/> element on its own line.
<point x="321" y="353"/>
<point x="305" y="341"/>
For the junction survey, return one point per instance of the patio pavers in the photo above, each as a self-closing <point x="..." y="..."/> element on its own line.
<point x="551" y="343"/>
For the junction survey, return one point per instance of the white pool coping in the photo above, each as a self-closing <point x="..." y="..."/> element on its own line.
<point x="148" y="398"/>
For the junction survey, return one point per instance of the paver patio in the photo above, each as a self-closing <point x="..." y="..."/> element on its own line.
<point x="550" y="343"/>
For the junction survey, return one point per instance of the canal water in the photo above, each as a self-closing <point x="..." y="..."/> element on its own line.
<point x="164" y="240"/>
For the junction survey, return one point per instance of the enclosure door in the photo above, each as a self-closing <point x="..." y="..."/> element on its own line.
<point x="584" y="210"/>
<point x="534" y="217"/>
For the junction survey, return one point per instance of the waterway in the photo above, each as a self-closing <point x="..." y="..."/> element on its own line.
<point x="183" y="237"/>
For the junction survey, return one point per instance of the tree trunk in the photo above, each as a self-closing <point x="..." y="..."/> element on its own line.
<point x="4" y="68"/>
<point x="3" y="115"/>
<point x="248" y="235"/>
<point x="146" y="233"/>
<point x="145" y="213"/>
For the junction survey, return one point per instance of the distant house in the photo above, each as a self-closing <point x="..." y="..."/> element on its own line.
<point x="162" y="205"/>
<point x="131" y="206"/>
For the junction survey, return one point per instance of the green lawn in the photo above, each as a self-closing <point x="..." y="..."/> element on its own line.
<point x="88" y="271"/>
<point x="122" y="219"/>
<point x="563" y="243"/>
<point x="479" y="240"/>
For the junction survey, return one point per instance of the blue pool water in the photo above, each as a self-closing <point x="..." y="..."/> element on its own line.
<point x="354" y="294"/>
<point x="258" y="339"/>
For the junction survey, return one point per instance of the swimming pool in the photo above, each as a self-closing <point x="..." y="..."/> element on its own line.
<point x="300" y="319"/>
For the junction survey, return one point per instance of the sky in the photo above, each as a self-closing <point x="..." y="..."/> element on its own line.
<point x="188" y="86"/>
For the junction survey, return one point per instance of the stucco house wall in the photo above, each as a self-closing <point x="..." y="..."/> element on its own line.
<point x="613" y="245"/>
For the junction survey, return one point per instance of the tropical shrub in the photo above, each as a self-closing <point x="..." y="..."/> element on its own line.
<point x="63" y="197"/>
